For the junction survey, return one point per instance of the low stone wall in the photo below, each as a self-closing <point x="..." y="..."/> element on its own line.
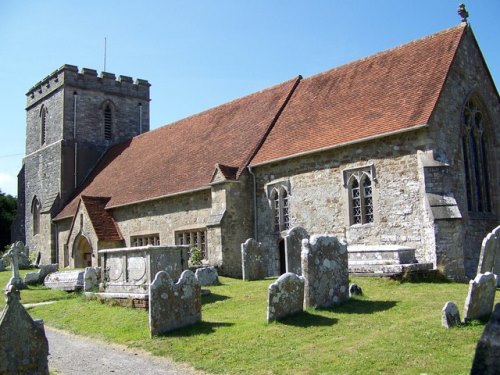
<point x="131" y="270"/>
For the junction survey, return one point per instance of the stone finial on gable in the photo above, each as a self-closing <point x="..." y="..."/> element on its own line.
<point x="462" y="12"/>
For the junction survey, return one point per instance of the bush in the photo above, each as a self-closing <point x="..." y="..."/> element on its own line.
<point x="196" y="257"/>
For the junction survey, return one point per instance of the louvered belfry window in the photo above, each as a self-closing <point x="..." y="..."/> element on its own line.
<point x="108" y="121"/>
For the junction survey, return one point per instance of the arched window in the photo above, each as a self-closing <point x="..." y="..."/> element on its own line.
<point x="43" y="124"/>
<point x="361" y="199"/>
<point x="35" y="212"/>
<point x="108" y="122"/>
<point x="280" y="201"/>
<point x="475" y="158"/>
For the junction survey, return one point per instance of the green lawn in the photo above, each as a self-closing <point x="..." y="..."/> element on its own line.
<point x="394" y="328"/>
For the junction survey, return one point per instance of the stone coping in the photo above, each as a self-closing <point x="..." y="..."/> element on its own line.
<point x="141" y="248"/>
<point x="377" y="248"/>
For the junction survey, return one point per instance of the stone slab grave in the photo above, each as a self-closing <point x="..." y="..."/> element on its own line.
<point x="207" y="276"/>
<point x="252" y="260"/>
<point x="450" y="316"/>
<point x="325" y="270"/>
<point x="33" y="278"/>
<point x="128" y="272"/>
<point x="487" y="357"/>
<point x="70" y="280"/>
<point x="23" y="344"/>
<point x="481" y="296"/>
<point x="386" y="260"/>
<point x="15" y="256"/>
<point x="489" y="258"/>
<point x="293" y="248"/>
<point x="173" y="306"/>
<point x="285" y="296"/>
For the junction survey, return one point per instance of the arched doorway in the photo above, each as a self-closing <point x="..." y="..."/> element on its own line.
<point x="281" y="246"/>
<point x="82" y="251"/>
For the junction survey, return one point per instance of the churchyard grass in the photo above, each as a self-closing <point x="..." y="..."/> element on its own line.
<point x="394" y="328"/>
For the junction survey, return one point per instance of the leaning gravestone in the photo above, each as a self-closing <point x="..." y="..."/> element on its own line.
<point x="14" y="255"/>
<point x="489" y="258"/>
<point x="325" y="270"/>
<point x="207" y="276"/>
<point x="38" y="277"/>
<point x="450" y="316"/>
<point x="481" y="296"/>
<point x="23" y="345"/>
<point x="69" y="281"/>
<point x="252" y="260"/>
<point x="487" y="357"/>
<point x="173" y="306"/>
<point x="285" y="296"/>
<point x="91" y="278"/>
<point x="293" y="248"/>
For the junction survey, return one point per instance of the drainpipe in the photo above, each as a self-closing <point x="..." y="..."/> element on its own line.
<point x="74" y="138"/>
<point x="255" y="234"/>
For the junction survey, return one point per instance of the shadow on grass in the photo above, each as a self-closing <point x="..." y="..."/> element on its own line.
<point x="200" y="328"/>
<point x="430" y="276"/>
<point x="360" y="306"/>
<point x="212" y="297"/>
<point x="306" y="319"/>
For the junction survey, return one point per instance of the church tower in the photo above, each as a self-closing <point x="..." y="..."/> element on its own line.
<point x="72" y="118"/>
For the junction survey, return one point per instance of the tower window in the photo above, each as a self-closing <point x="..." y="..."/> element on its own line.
<point x="35" y="212"/>
<point x="108" y="121"/>
<point x="43" y="124"/>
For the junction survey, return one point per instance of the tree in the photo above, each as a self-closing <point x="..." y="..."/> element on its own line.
<point x="8" y="211"/>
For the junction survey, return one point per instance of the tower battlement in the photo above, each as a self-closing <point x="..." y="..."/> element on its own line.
<point x="87" y="79"/>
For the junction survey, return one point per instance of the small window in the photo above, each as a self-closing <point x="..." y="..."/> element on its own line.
<point x="359" y="186"/>
<point x="108" y="122"/>
<point x="193" y="238"/>
<point x="35" y="212"/>
<point x="43" y="124"/>
<point x="147" y="240"/>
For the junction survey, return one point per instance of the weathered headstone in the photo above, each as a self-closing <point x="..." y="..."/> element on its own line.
<point x="252" y="260"/>
<point x="325" y="270"/>
<point x="481" y="296"/>
<point x="173" y="306"/>
<point x="38" y="277"/>
<point x="450" y="316"/>
<point x="14" y="254"/>
<point x="91" y="278"/>
<point x="69" y="281"/>
<point x="355" y="290"/>
<point x="487" y="357"/>
<point x="23" y="345"/>
<point x="285" y="296"/>
<point x="489" y="258"/>
<point x="207" y="276"/>
<point x="293" y="248"/>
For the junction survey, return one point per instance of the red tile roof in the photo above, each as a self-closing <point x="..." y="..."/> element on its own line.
<point x="385" y="93"/>
<point x="103" y="222"/>
<point x="182" y="156"/>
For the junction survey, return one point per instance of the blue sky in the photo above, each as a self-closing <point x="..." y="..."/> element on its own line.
<point x="198" y="54"/>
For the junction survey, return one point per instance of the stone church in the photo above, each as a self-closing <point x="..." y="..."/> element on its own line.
<point x="399" y="148"/>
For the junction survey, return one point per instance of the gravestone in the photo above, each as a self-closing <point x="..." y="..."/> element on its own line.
<point x="14" y="255"/>
<point x="487" y="357"/>
<point x="173" y="306"/>
<point x="325" y="270"/>
<point x="481" y="296"/>
<point x="207" y="276"/>
<point x="450" y="316"/>
<point x="252" y="260"/>
<point x="91" y="278"/>
<point x="38" y="277"/>
<point x="489" y="258"/>
<point x="285" y="296"/>
<point x="355" y="290"/>
<point x="293" y="248"/>
<point x="69" y="281"/>
<point x="23" y="345"/>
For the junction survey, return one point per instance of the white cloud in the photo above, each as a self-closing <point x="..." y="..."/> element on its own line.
<point x="8" y="184"/>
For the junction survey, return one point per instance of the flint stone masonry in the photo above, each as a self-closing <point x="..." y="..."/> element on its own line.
<point x="325" y="270"/>
<point x="450" y="316"/>
<point x="91" y="278"/>
<point x="487" y="357"/>
<point x="293" y="248"/>
<point x="131" y="270"/>
<point x="207" y="276"/>
<point x="38" y="277"/>
<point x="489" y="258"/>
<point x="285" y="296"/>
<point x="173" y="306"/>
<point x="252" y="263"/>
<point x="23" y="345"/>
<point x="481" y="296"/>
<point x="70" y="281"/>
